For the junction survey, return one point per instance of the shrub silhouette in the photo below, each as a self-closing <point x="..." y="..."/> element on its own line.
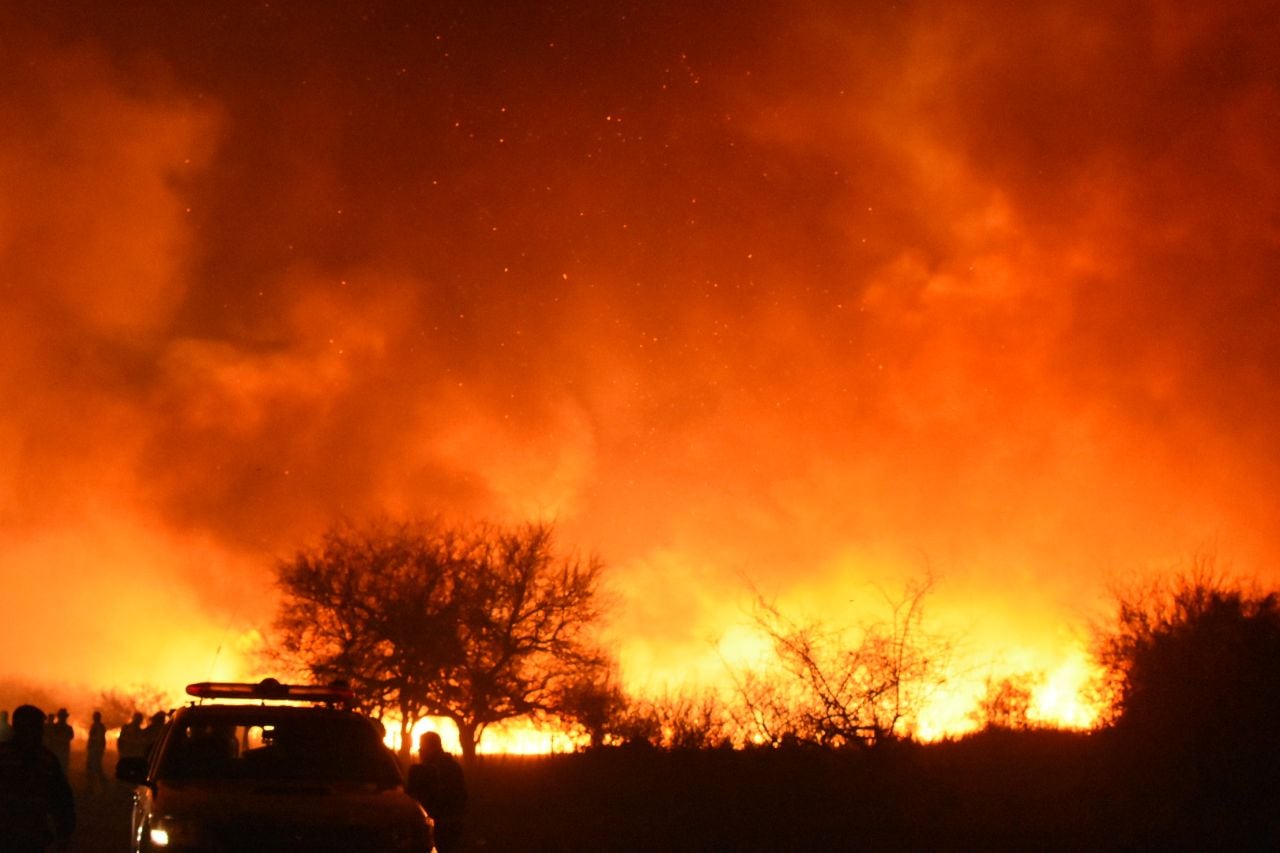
<point x="1006" y="704"/>
<point x="1195" y="666"/>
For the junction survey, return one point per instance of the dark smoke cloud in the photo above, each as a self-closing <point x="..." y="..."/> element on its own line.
<point x="815" y="296"/>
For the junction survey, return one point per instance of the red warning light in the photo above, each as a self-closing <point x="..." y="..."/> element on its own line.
<point x="271" y="690"/>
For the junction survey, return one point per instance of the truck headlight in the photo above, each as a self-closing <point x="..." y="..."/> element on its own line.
<point x="173" y="832"/>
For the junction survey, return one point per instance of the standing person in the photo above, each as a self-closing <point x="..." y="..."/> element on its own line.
<point x="36" y="804"/>
<point x="59" y="737"/>
<point x="94" y="778"/>
<point x="437" y="783"/>
<point x="129" y="743"/>
<point x="6" y="731"/>
<point x="150" y="735"/>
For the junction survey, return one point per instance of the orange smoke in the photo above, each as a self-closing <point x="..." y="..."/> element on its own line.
<point x="812" y="301"/>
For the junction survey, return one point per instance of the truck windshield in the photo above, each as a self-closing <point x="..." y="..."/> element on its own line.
<point x="318" y="748"/>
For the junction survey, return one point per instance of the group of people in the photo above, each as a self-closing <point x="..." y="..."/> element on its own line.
<point x="37" y="807"/>
<point x="136" y="738"/>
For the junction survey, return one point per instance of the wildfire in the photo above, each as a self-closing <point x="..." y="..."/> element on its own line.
<point x="804" y="313"/>
<point x="509" y="739"/>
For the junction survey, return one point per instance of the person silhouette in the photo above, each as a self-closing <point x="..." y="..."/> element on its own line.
<point x="94" y="779"/>
<point x="36" y="804"/>
<point x="150" y="734"/>
<point x="6" y="731"/>
<point x="436" y="782"/>
<point x="129" y="743"/>
<point x="58" y="737"/>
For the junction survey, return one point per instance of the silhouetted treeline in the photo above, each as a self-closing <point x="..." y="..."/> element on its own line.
<point x="1187" y="759"/>
<point x="1188" y="762"/>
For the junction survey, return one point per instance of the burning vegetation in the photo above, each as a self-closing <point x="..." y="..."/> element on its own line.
<point x="775" y="309"/>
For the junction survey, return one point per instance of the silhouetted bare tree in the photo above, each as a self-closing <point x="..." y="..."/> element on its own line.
<point x="478" y="624"/>
<point x="843" y="688"/>
<point x="377" y="607"/>
<point x="765" y="710"/>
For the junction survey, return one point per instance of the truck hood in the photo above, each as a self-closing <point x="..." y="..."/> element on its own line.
<point x="287" y="803"/>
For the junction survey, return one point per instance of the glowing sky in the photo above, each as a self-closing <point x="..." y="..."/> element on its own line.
<point x="812" y="294"/>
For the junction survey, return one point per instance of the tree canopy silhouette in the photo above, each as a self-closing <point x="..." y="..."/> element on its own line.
<point x="476" y="623"/>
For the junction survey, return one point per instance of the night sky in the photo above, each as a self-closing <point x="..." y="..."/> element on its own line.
<point x="811" y="296"/>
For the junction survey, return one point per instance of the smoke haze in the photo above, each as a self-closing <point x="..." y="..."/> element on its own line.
<point x="814" y="297"/>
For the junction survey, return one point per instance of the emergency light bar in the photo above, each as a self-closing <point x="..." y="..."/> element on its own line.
<point x="269" y="689"/>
